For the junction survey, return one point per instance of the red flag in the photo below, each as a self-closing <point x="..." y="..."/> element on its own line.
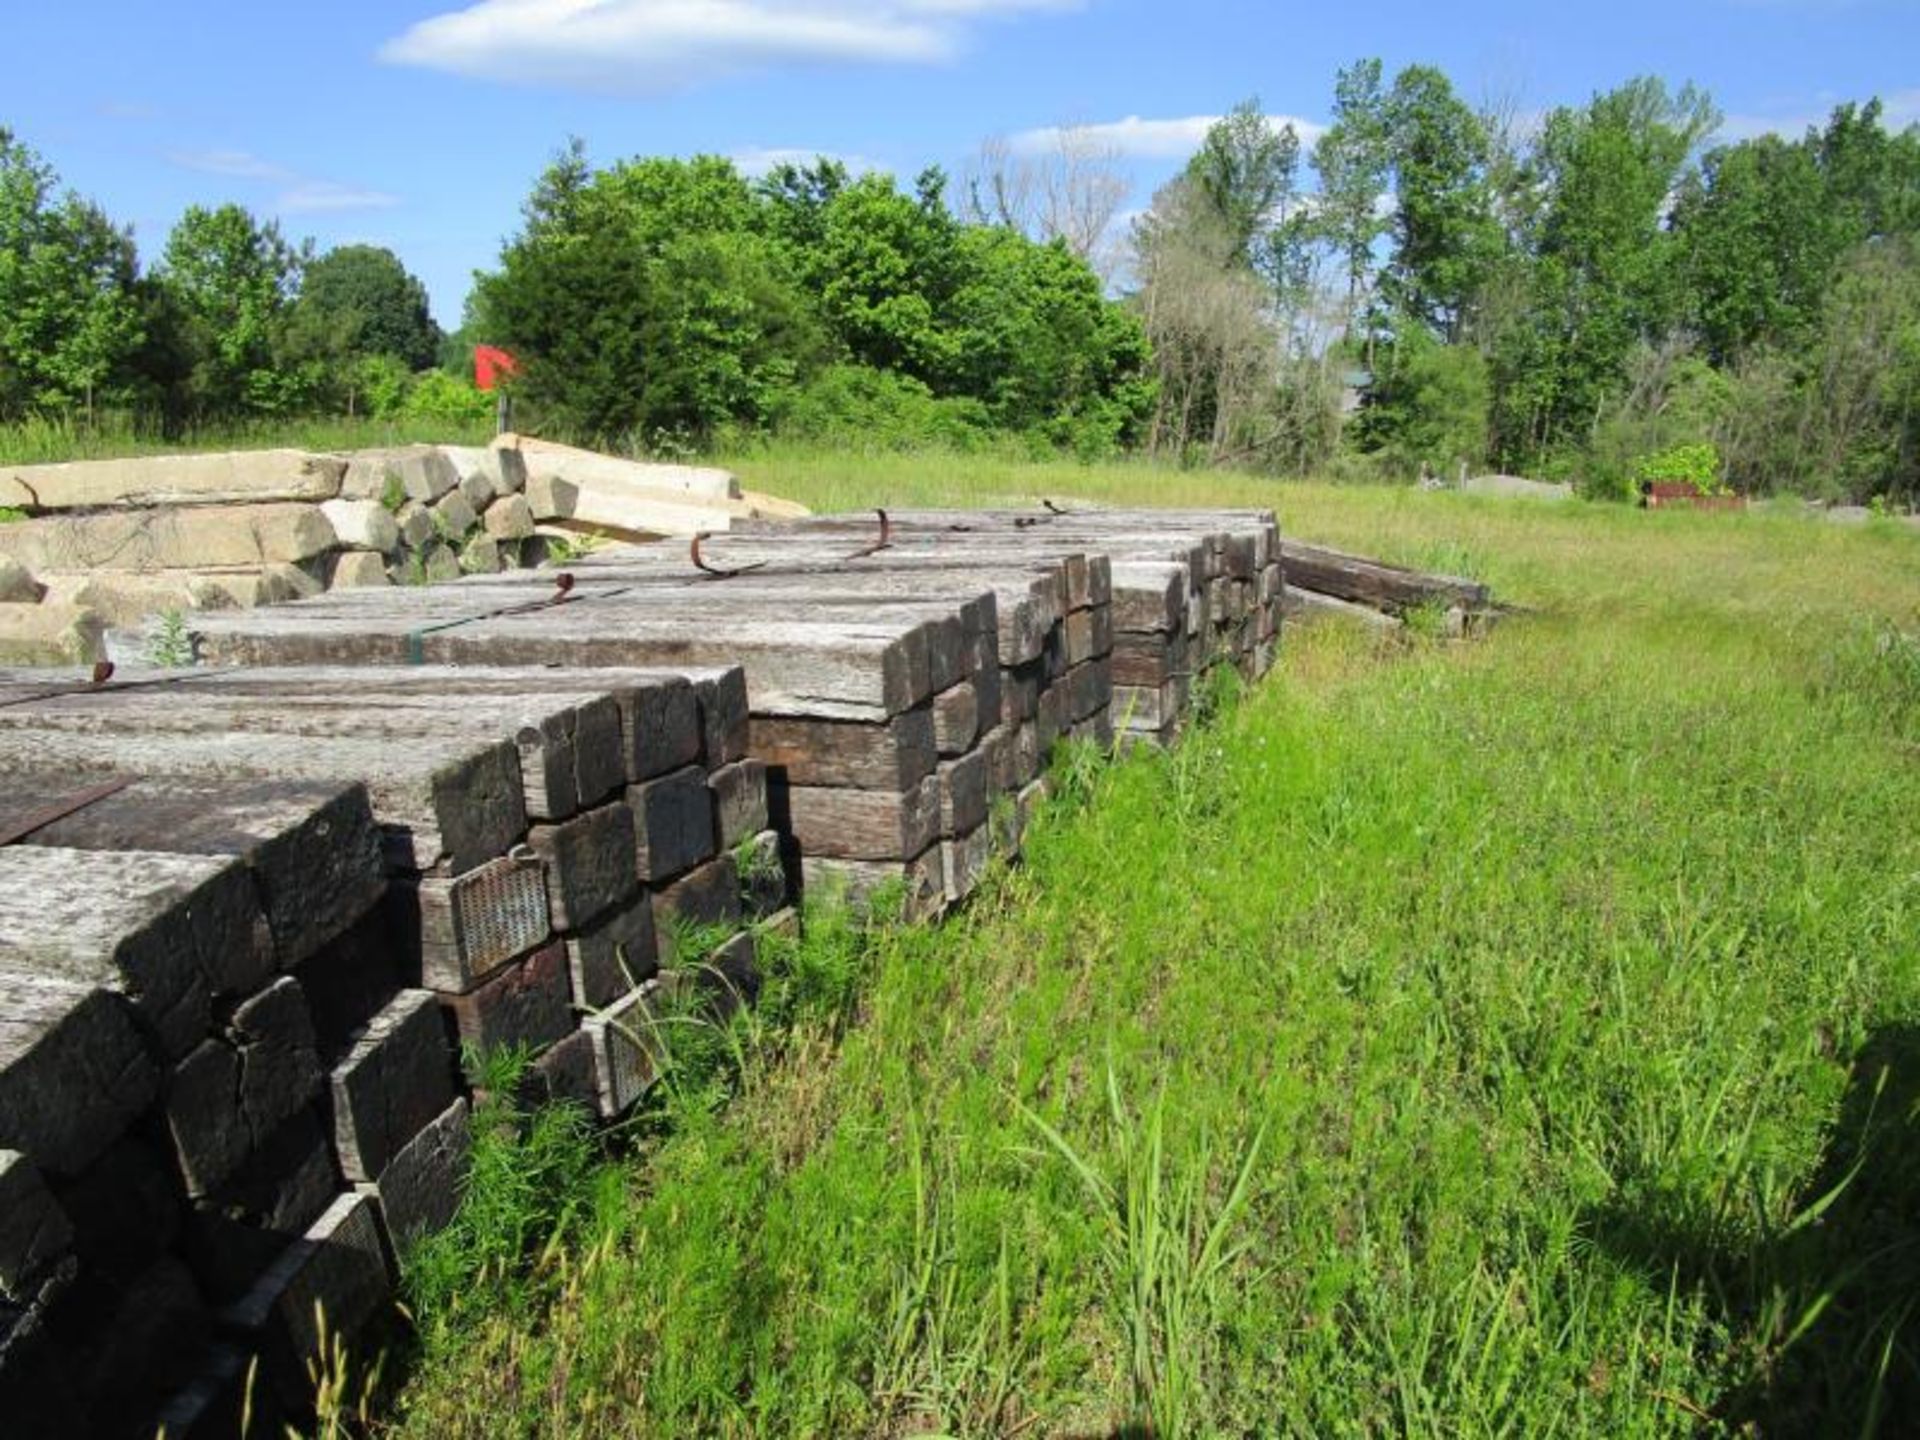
<point x="491" y="365"/>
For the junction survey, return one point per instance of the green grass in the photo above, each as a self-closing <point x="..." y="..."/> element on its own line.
<point x="1514" y="1039"/>
<point x="35" y="441"/>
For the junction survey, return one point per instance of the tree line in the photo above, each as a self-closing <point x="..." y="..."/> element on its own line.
<point x="1602" y="293"/>
<point x="232" y="321"/>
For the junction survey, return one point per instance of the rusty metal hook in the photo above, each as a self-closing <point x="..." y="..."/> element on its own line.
<point x="885" y="542"/>
<point x="714" y="570"/>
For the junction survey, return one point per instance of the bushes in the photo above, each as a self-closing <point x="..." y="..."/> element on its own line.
<point x="436" y="395"/>
<point x="1697" y="465"/>
<point x="862" y="408"/>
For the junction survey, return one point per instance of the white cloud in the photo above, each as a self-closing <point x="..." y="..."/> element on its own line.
<point x="651" y="46"/>
<point x="294" y="193"/>
<point x="310" y="196"/>
<point x="1899" y="109"/>
<point x="755" y="161"/>
<point x="1165" y="139"/>
<point x="234" y="164"/>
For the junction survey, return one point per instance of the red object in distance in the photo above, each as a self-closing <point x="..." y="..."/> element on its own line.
<point x="491" y="365"/>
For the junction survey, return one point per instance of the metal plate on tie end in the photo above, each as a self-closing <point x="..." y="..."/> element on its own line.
<point x="472" y="924"/>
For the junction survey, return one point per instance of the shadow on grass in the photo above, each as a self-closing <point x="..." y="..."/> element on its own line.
<point x="1822" y="1313"/>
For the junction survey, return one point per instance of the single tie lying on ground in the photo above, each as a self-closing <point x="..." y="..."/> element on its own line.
<point x="376" y="827"/>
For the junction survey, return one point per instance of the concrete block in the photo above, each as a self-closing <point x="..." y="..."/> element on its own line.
<point x="181" y="539"/>
<point x="362" y="524"/>
<point x="501" y="470"/>
<point x="454" y="518"/>
<point x="50" y="634"/>
<point x="417" y="472"/>
<point x="17" y="585"/>
<point x="551" y="498"/>
<point x="239" y="476"/>
<point x="358" y="570"/>
<point x="509" y="518"/>
<point x="415" y="522"/>
<point x="481" y="556"/>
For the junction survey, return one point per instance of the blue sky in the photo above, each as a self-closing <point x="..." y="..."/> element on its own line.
<point x="421" y="124"/>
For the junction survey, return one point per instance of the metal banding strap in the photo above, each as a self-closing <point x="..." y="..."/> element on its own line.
<point x="60" y="809"/>
<point x="563" y="595"/>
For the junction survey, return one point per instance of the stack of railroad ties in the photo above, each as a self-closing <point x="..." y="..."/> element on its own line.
<point x="250" y="912"/>
<point x="250" y="920"/>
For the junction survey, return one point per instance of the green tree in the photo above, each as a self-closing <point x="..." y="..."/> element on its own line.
<point x="884" y="273"/>
<point x="644" y="299"/>
<point x="1245" y="171"/>
<point x="1429" y="412"/>
<point x="71" y="316"/>
<point x="1603" y="272"/>
<point x="1353" y="160"/>
<point x="1042" y="347"/>
<point x="1444" y="237"/>
<point x="229" y="282"/>
<point x="1755" y="243"/>
<point x="364" y="300"/>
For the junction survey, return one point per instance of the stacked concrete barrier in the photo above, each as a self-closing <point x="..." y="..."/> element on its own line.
<point x="96" y="546"/>
<point x="234" y="994"/>
<point x="111" y="543"/>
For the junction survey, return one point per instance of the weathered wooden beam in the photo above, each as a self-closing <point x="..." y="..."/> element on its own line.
<point x="1361" y="581"/>
<point x="895" y="754"/>
<point x="313" y="848"/>
<point x="439" y="802"/>
<point x="170" y="932"/>
<point x="864" y="824"/>
<point x="74" y="1069"/>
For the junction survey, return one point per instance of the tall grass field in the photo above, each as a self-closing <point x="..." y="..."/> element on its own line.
<point x="1518" y="1037"/>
